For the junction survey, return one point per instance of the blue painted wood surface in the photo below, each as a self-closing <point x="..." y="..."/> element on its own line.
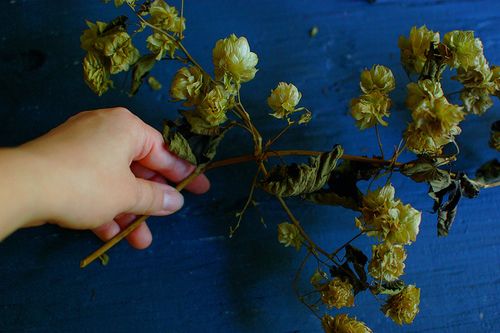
<point x="193" y="278"/>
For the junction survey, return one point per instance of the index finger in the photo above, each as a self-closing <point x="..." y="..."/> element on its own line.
<point x="153" y="154"/>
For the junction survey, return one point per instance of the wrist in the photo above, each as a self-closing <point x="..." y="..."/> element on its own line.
<point x="23" y="186"/>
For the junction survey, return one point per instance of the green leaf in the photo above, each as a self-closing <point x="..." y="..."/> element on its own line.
<point x="141" y="69"/>
<point x="387" y="288"/>
<point x="178" y="145"/>
<point x="489" y="172"/>
<point x="296" y="179"/>
<point x="342" y="187"/>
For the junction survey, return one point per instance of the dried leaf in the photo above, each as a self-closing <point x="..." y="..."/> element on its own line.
<point x="447" y="210"/>
<point x="489" y="172"/>
<point x="357" y="259"/>
<point x="296" y="179"/>
<point x="141" y="69"/>
<point x="203" y="147"/>
<point x="198" y="125"/>
<point x="178" y="145"/>
<point x="342" y="187"/>
<point x="423" y="170"/>
<point x="387" y="288"/>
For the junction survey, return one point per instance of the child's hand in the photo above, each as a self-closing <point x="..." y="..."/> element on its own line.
<point x="101" y="168"/>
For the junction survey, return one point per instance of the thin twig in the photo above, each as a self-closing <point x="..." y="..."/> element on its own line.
<point x="347" y="243"/>
<point x="182" y="19"/>
<point x="245" y="207"/>
<point x="277" y="136"/>
<point x="296" y="288"/>
<point x="379" y="141"/>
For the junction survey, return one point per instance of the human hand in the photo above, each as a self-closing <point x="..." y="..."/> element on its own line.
<point x="101" y="168"/>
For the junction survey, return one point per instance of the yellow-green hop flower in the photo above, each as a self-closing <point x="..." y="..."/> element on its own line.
<point x="214" y="105"/>
<point x="495" y="81"/>
<point x="289" y="235"/>
<point x="466" y="50"/>
<point x="95" y="73"/>
<point x="342" y="323"/>
<point x="387" y="261"/>
<point x="118" y="48"/>
<point x="89" y="36"/>
<point x="369" y="109"/>
<point x="402" y="308"/>
<point x="407" y="228"/>
<point x="478" y="76"/>
<point x="161" y="45"/>
<point x="283" y="100"/>
<point x="232" y="56"/>
<point x="165" y="17"/>
<point x="388" y="219"/>
<point x="421" y="91"/>
<point x="188" y="84"/>
<point x="337" y="293"/>
<point x="378" y="78"/>
<point x="420" y="142"/>
<point x="438" y="119"/>
<point x="415" y="47"/>
<point x="476" y="100"/>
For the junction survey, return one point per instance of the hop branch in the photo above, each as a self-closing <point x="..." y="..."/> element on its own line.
<point x="212" y="105"/>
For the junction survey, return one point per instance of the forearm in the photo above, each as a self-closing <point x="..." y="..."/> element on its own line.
<point x="20" y="191"/>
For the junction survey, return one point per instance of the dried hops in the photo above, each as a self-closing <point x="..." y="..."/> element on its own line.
<point x="388" y="219"/>
<point x="387" y="261"/>
<point x="109" y="51"/>
<point x="289" y="235"/>
<point x="435" y="120"/>
<point x="415" y="47"/>
<point x="337" y="293"/>
<point x="187" y="85"/>
<point x="370" y="108"/>
<point x="214" y="105"/>
<point x="465" y="49"/>
<point x="283" y="100"/>
<point x="403" y="307"/>
<point x="166" y="18"/>
<point x="378" y="78"/>
<point x="342" y="323"/>
<point x="232" y="57"/>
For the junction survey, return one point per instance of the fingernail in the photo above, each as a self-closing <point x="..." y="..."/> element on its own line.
<point x="172" y="200"/>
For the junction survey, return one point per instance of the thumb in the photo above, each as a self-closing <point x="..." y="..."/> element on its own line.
<point x="154" y="198"/>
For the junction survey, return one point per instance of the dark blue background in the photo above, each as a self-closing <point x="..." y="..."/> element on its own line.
<point x="193" y="278"/>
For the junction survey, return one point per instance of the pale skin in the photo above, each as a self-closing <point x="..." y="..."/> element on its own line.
<point x="96" y="171"/>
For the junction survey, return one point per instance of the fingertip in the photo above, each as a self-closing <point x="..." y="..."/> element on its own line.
<point x="173" y="200"/>
<point x="199" y="185"/>
<point x="141" y="238"/>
